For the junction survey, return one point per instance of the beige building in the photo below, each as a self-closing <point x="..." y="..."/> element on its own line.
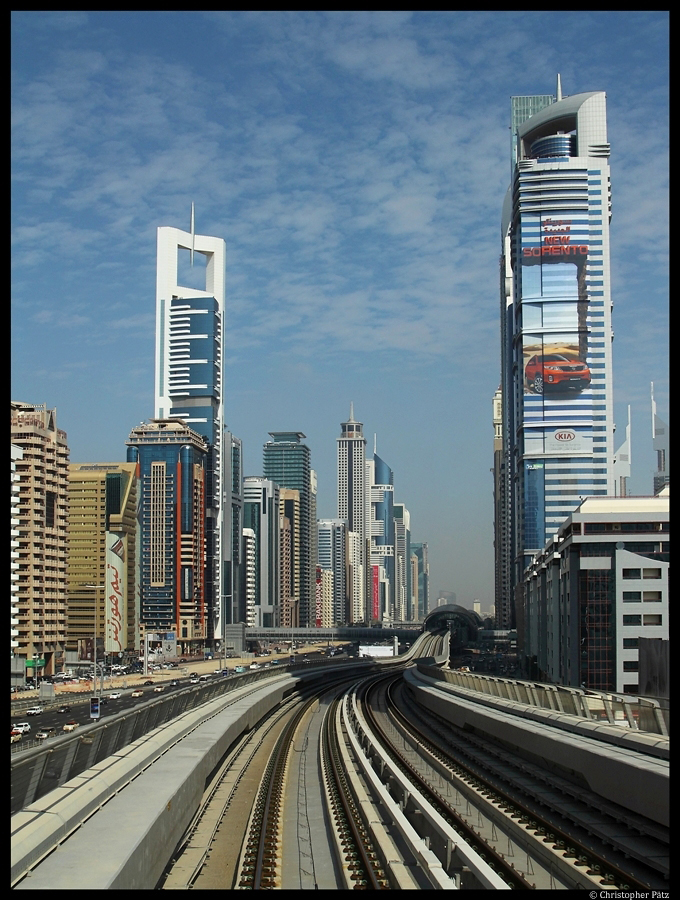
<point x="102" y="561"/>
<point x="40" y="598"/>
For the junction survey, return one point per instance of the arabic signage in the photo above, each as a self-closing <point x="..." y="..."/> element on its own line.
<point x="115" y="638"/>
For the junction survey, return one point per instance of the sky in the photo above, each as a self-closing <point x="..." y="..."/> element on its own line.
<point x="355" y="163"/>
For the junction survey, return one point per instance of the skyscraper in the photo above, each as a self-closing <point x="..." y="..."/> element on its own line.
<point x="352" y="499"/>
<point x="189" y="384"/>
<point x="556" y="320"/>
<point x="171" y="464"/>
<point x="42" y="512"/>
<point x="103" y="566"/>
<point x="333" y="546"/>
<point x="261" y="514"/>
<point x="421" y="588"/>
<point x="287" y="463"/>
<point x="403" y="611"/>
<point x="380" y="479"/>
<point x="661" y="444"/>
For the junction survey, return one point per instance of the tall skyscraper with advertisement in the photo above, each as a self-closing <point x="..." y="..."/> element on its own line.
<point x="352" y="500"/>
<point x="189" y="384"/>
<point x="556" y="330"/>
<point x="287" y="463"/>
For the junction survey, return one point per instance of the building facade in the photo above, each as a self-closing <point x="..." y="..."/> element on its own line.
<point x="556" y="332"/>
<point x="16" y="454"/>
<point x="380" y="596"/>
<point x="421" y="589"/>
<point x="261" y="514"/>
<point x="171" y="463"/>
<point x="597" y="589"/>
<point x="189" y="386"/>
<point x="42" y="514"/>
<point x="661" y="444"/>
<point x="333" y="557"/>
<point x="287" y="463"/>
<point x="103" y="591"/>
<point x="353" y="499"/>
<point x="402" y="610"/>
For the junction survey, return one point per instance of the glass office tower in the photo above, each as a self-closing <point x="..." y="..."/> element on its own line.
<point x="556" y="320"/>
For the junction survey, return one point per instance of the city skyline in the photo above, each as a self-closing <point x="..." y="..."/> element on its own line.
<point x="355" y="164"/>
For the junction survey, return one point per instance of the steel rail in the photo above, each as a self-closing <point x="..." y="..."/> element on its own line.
<point x="595" y="864"/>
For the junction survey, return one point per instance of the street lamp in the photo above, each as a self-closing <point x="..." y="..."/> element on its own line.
<point x="96" y="628"/>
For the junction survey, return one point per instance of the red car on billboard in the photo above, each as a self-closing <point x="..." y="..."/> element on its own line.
<point x="556" y="370"/>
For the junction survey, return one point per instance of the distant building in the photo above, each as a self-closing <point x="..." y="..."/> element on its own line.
<point x="598" y="588"/>
<point x="261" y="514"/>
<point x="103" y="590"/>
<point x="290" y="550"/>
<point x="421" y="590"/>
<point x="333" y="557"/>
<point x="172" y="462"/>
<point x="621" y="464"/>
<point x="42" y="516"/>
<point x="287" y="463"/>
<point x="661" y="439"/>
<point x="353" y="502"/>
<point x="403" y="610"/>
<point x="249" y="576"/>
<point x="381" y="530"/>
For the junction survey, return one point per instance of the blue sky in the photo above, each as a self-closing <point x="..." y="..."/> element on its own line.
<point x="356" y="164"/>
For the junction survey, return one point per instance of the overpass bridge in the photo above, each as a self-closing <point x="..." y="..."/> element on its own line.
<point x="237" y="636"/>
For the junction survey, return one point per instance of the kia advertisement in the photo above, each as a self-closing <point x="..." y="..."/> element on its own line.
<point x="554" y="367"/>
<point x="116" y="600"/>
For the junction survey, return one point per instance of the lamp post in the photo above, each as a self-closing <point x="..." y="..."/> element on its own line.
<point x="96" y="624"/>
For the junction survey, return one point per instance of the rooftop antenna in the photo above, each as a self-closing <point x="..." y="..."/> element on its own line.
<point x="193" y="235"/>
<point x="351" y="411"/>
<point x="375" y="443"/>
<point x="559" y="88"/>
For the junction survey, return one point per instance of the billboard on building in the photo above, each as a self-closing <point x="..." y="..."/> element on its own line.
<point x="375" y="611"/>
<point x="318" y="597"/>
<point x="116" y="601"/>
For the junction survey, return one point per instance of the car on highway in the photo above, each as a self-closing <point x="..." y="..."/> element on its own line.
<point x="159" y="689"/>
<point x="254" y="666"/>
<point x="64" y="709"/>
<point x="137" y="694"/>
<point x="174" y="683"/>
<point x="148" y="682"/>
<point x="45" y="733"/>
<point x="34" y="710"/>
<point x="70" y="726"/>
<point x="194" y="680"/>
<point x="115" y="695"/>
<point x="239" y="669"/>
<point x="23" y="727"/>
<point x="15" y="736"/>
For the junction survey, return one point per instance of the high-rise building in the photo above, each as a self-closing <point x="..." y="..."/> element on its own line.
<point x="380" y="482"/>
<point x="249" y="576"/>
<point x="403" y="611"/>
<point x="501" y="494"/>
<point x="103" y="594"/>
<point x="353" y="501"/>
<point x="621" y="464"/>
<point x="43" y="537"/>
<point x="333" y="543"/>
<point x="291" y="541"/>
<point x="189" y="385"/>
<point x="422" y="583"/>
<point x="287" y="463"/>
<point x="261" y="514"/>
<point x="16" y="454"/>
<point x="556" y="330"/>
<point x="171" y="462"/>
<point x="661" y="444"/>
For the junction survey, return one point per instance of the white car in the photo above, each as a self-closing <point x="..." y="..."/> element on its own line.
<point x="34" y="711"/>
<point x="115" y="695"/>
<point x="23" y="727"/>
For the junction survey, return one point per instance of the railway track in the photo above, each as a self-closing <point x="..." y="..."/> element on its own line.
<point x="583" y="841"/>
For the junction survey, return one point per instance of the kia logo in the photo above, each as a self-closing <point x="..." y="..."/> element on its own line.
<point x="565" y="435"/>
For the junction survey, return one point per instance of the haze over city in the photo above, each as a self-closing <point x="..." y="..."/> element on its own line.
<point x="355" y="164"/>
